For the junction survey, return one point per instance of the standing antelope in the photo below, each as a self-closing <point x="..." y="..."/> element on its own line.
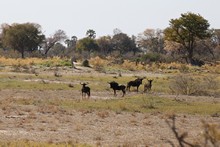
<point x="115" y="86"/>
<point x="136" y="83"/>
<point x="147" y="86"/>
<point x="85" y="90"/>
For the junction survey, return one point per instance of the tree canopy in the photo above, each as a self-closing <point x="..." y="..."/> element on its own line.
<point x="123" y="43"/>
<point x="91" y="33"/>
<point x="186" y="39"/>
<point x="151" y="40"/>
<point x="22" y="37"/>
<point x="57" y="37"/>
<point x="186" y="30"/>
<point x="105" y="44"/>
<point x="87" y="44"/>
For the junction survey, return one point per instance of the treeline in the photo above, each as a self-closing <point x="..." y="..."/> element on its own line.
<point x="188" y="39"/>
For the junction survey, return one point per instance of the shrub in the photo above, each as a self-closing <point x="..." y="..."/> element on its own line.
<point x="184" y="68"/>
<point x="150" y="57"/>
<point x="64" y="62"/>
<point x="211" y="82"/>
<point x="129" y="65"/>
<point x="85" y="63"/>
<point x="194" y="85"/>
<point x="185" y="84"/>
<point x="98" y="63"/>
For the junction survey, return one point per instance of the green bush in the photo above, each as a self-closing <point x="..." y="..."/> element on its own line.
<point x="64" y="63"/>
<point x="150" y="57"/>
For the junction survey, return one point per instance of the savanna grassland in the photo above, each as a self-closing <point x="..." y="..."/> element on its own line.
<point x="41" y="104"/>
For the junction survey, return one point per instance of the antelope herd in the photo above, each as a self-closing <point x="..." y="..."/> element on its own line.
<point x="116" y="86"/>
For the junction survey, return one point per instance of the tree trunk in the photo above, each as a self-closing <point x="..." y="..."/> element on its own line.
<point x="22" y="53"/>
<point x="190" y="48"/>
<point x="190" y="55"/>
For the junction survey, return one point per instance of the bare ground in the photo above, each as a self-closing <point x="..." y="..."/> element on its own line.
<point x="105" y="128"/>
<point x="50" y="123"/>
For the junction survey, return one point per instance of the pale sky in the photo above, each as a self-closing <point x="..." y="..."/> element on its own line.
<point x="132" y="17"/>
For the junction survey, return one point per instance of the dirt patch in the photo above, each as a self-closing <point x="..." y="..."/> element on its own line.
<point x="50" y="123"/>
<point x="53" y="124"/>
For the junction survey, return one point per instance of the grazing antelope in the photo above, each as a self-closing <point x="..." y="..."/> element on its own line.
<point x="115" y="86"/>
<point x="85" y="90"/>
<point x="147" y="86"/>
<point x="136" y="83"/>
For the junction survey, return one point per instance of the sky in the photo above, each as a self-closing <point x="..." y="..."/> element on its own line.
<point x="132" y="17"/>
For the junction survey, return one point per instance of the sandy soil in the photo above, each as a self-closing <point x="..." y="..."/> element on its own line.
<point x="51" y="123"/>
<point x="105" y="128"/>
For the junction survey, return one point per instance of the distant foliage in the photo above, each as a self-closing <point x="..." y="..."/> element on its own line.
<point x="85" y="63"/>
<point x="185" y="84"/>
<point x="25" y="37"/>
<point x="194" y="85"/>
<point x="150" y="57"/>
<point x="98" y="63"/>
<point x="132" y="66"/>
<point x="185" y="31"/>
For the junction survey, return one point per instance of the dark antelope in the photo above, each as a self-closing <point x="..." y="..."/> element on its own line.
<point x="85" y="90"/>
<point x="136" y="83"/>
<point x="115" y="86"/>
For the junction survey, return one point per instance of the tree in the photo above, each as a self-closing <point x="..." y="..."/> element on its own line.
<point x="87" y="44"/>
<point x="173" y="50"/>
<point x="133" y="45"/>
<point x="71" y="46"/>
<point x="123" y="43"/>
<point x="91" y="33"/>
<point x="151" y="40"/>
<point x="57" y="50"/>
<point x="104" y="44"/>
<point x="216" y="41"/>
<point x="216" y="36"/>
<point x="22" y="37"/>
<point x="57" y="37"/>
<point x="186" y="30"/>
<point x="71" y="43"/>
<point x="117" y="31"/>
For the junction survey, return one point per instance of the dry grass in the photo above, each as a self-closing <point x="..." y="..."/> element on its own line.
<point x="101" y="64"/>
<point x="55" y="116"/>
<point x="27" y="62"/>
<point x="189" y="84"/>
<point x="103" y="114"/>
<point x="128" y="65"/>
<point x="98" y="120"/>
<point x="12" y="62"/>
<point x="26" y="143"/>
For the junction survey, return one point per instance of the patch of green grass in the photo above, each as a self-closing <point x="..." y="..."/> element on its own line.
<point x="191" y="108"/>
<point x="138" y="103"/>
<point x="17" y="84"/>
<point x="161" y="84"/>
<point x="29" y="81"/>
